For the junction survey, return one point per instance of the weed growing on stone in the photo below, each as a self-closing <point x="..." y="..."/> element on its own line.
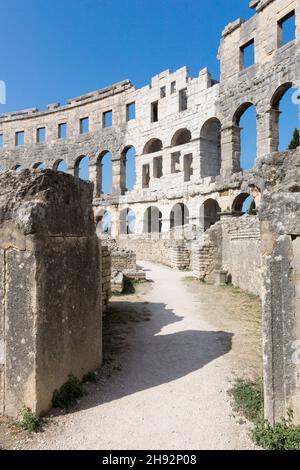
<point x="29" y="421"/>
<point x="68" y="394"/>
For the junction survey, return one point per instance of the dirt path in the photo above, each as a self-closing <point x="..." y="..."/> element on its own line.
<point x="169" y="390"/>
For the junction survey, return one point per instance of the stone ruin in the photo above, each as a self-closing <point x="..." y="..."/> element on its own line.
<point x="190" y="186"/>
<point x="50" y="310"/>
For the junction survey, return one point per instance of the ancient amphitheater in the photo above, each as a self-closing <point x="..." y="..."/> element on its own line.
<point x="186" y="203"/>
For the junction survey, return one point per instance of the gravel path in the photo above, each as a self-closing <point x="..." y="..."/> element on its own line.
<point x="171" y="392"/>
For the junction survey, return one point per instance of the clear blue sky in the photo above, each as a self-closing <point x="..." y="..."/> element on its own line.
<point x="54" y="50"/>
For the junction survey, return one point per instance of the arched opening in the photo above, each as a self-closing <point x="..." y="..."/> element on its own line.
<point x="284" y="117"/>
<point x="179" y="215"/>
<point x="81" y="168"/>
<point x="209" y="213"/>
<point x="181" y="137"/>
<point x="61" y="166"/>
<point x="152" y="220"/>
<point x="103" y="226"/>
<point x="128" y="170"/>
<point x="104" y="173"/>
<point x="246" y="136"/>
<point x="153" y="145"/>
<point x="244" y="203"/>
<point x="127" y="222"/>
<point x="17" y="167"/>
<point x="210" y="148"/>
<point x="39" y="166"/>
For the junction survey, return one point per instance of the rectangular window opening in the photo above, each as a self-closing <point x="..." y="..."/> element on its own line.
<point x="130" y="111"/>
<point x="107" y="119"/>
<point x="157" y="167"/>
<point x="62" y="130"/>
<point x="84" y="125"/>
<point x="19" y="138"/>
<point x="287" y="29"/>
<point x="173" y="88"/>
<point x="41" y="135"/>
<point x="163" y="92"/>
<point x="146" y="176"/>
<point x="183" y="102"/>
<point x="247" y="53"/>
<point x="154" y="111"/>
<point x="175" y="162"/>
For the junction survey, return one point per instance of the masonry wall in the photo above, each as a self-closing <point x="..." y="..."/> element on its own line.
<point x="50" y="315"/>
<point x="241" y="252"/>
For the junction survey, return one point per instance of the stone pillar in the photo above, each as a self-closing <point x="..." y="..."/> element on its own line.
<point x="280" y="233"/>
<point x="273" y="129"/>
<point x="231" y="149"/>
<point x="117" y="163"/>
<point x="95" y="170"/>
<point x="115" y="222"/>
<point x="263" y="133"/>
<point x="50" y="314"/>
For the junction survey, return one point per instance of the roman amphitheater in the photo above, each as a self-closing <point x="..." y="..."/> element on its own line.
<point x="185" y="209"/>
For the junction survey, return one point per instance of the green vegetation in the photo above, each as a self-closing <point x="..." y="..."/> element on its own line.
<point x="90" y="377"/>
<point x="30" y="421"/>
<point x="295" y="142"/>
<point x="282" y="436"/>
<point x="248" y="399"/>
<point x="68" y="394"/>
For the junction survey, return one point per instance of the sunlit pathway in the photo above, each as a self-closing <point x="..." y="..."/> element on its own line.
<point x="172" y="390"/>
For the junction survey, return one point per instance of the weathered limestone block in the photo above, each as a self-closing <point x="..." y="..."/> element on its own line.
<point x="105" y="276"/>
<point x="278" y="177"/>
<point x="50" y="289"/>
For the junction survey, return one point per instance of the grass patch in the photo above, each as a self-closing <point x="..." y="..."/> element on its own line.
<point x="68" y="394"/>
<point x="30" y="421"/>
<point x="249" y="400"/>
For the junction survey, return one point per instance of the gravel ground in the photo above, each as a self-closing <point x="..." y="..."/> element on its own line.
<point x="167" y="372"/>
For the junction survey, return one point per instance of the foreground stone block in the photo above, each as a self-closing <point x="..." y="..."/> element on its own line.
<point x="50" y="286"/>
<point x="278" y="177"/>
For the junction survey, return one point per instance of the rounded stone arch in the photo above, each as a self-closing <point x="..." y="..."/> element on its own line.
<point x="244" y="136"/>
<point x="181" y="137"/>
<point x="179" y="215"/>
<point x="209" y="213"/>
<point x="39" y="166"/>
<point x="103" y="223"/>
<point x="276" y="115"/>
<point x="210" y="148"/>
<point x="104" y="171"/>
<point x="153" y="145"/>
<point x="152" y="222"/>
<point x="238" y="205"/>
<point x="279" y="93"/>
<point x="81" y="167"/>
<point x="60" y="165"/>
<point x="240" y="111"/>
<point x="17" y="167"/>
<point x="128" y="168"/>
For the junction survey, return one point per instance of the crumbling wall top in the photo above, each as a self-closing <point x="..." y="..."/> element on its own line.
<point x="45" y="202"/>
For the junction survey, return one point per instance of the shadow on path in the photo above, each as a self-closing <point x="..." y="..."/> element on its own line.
<point x="151" y="358"/>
